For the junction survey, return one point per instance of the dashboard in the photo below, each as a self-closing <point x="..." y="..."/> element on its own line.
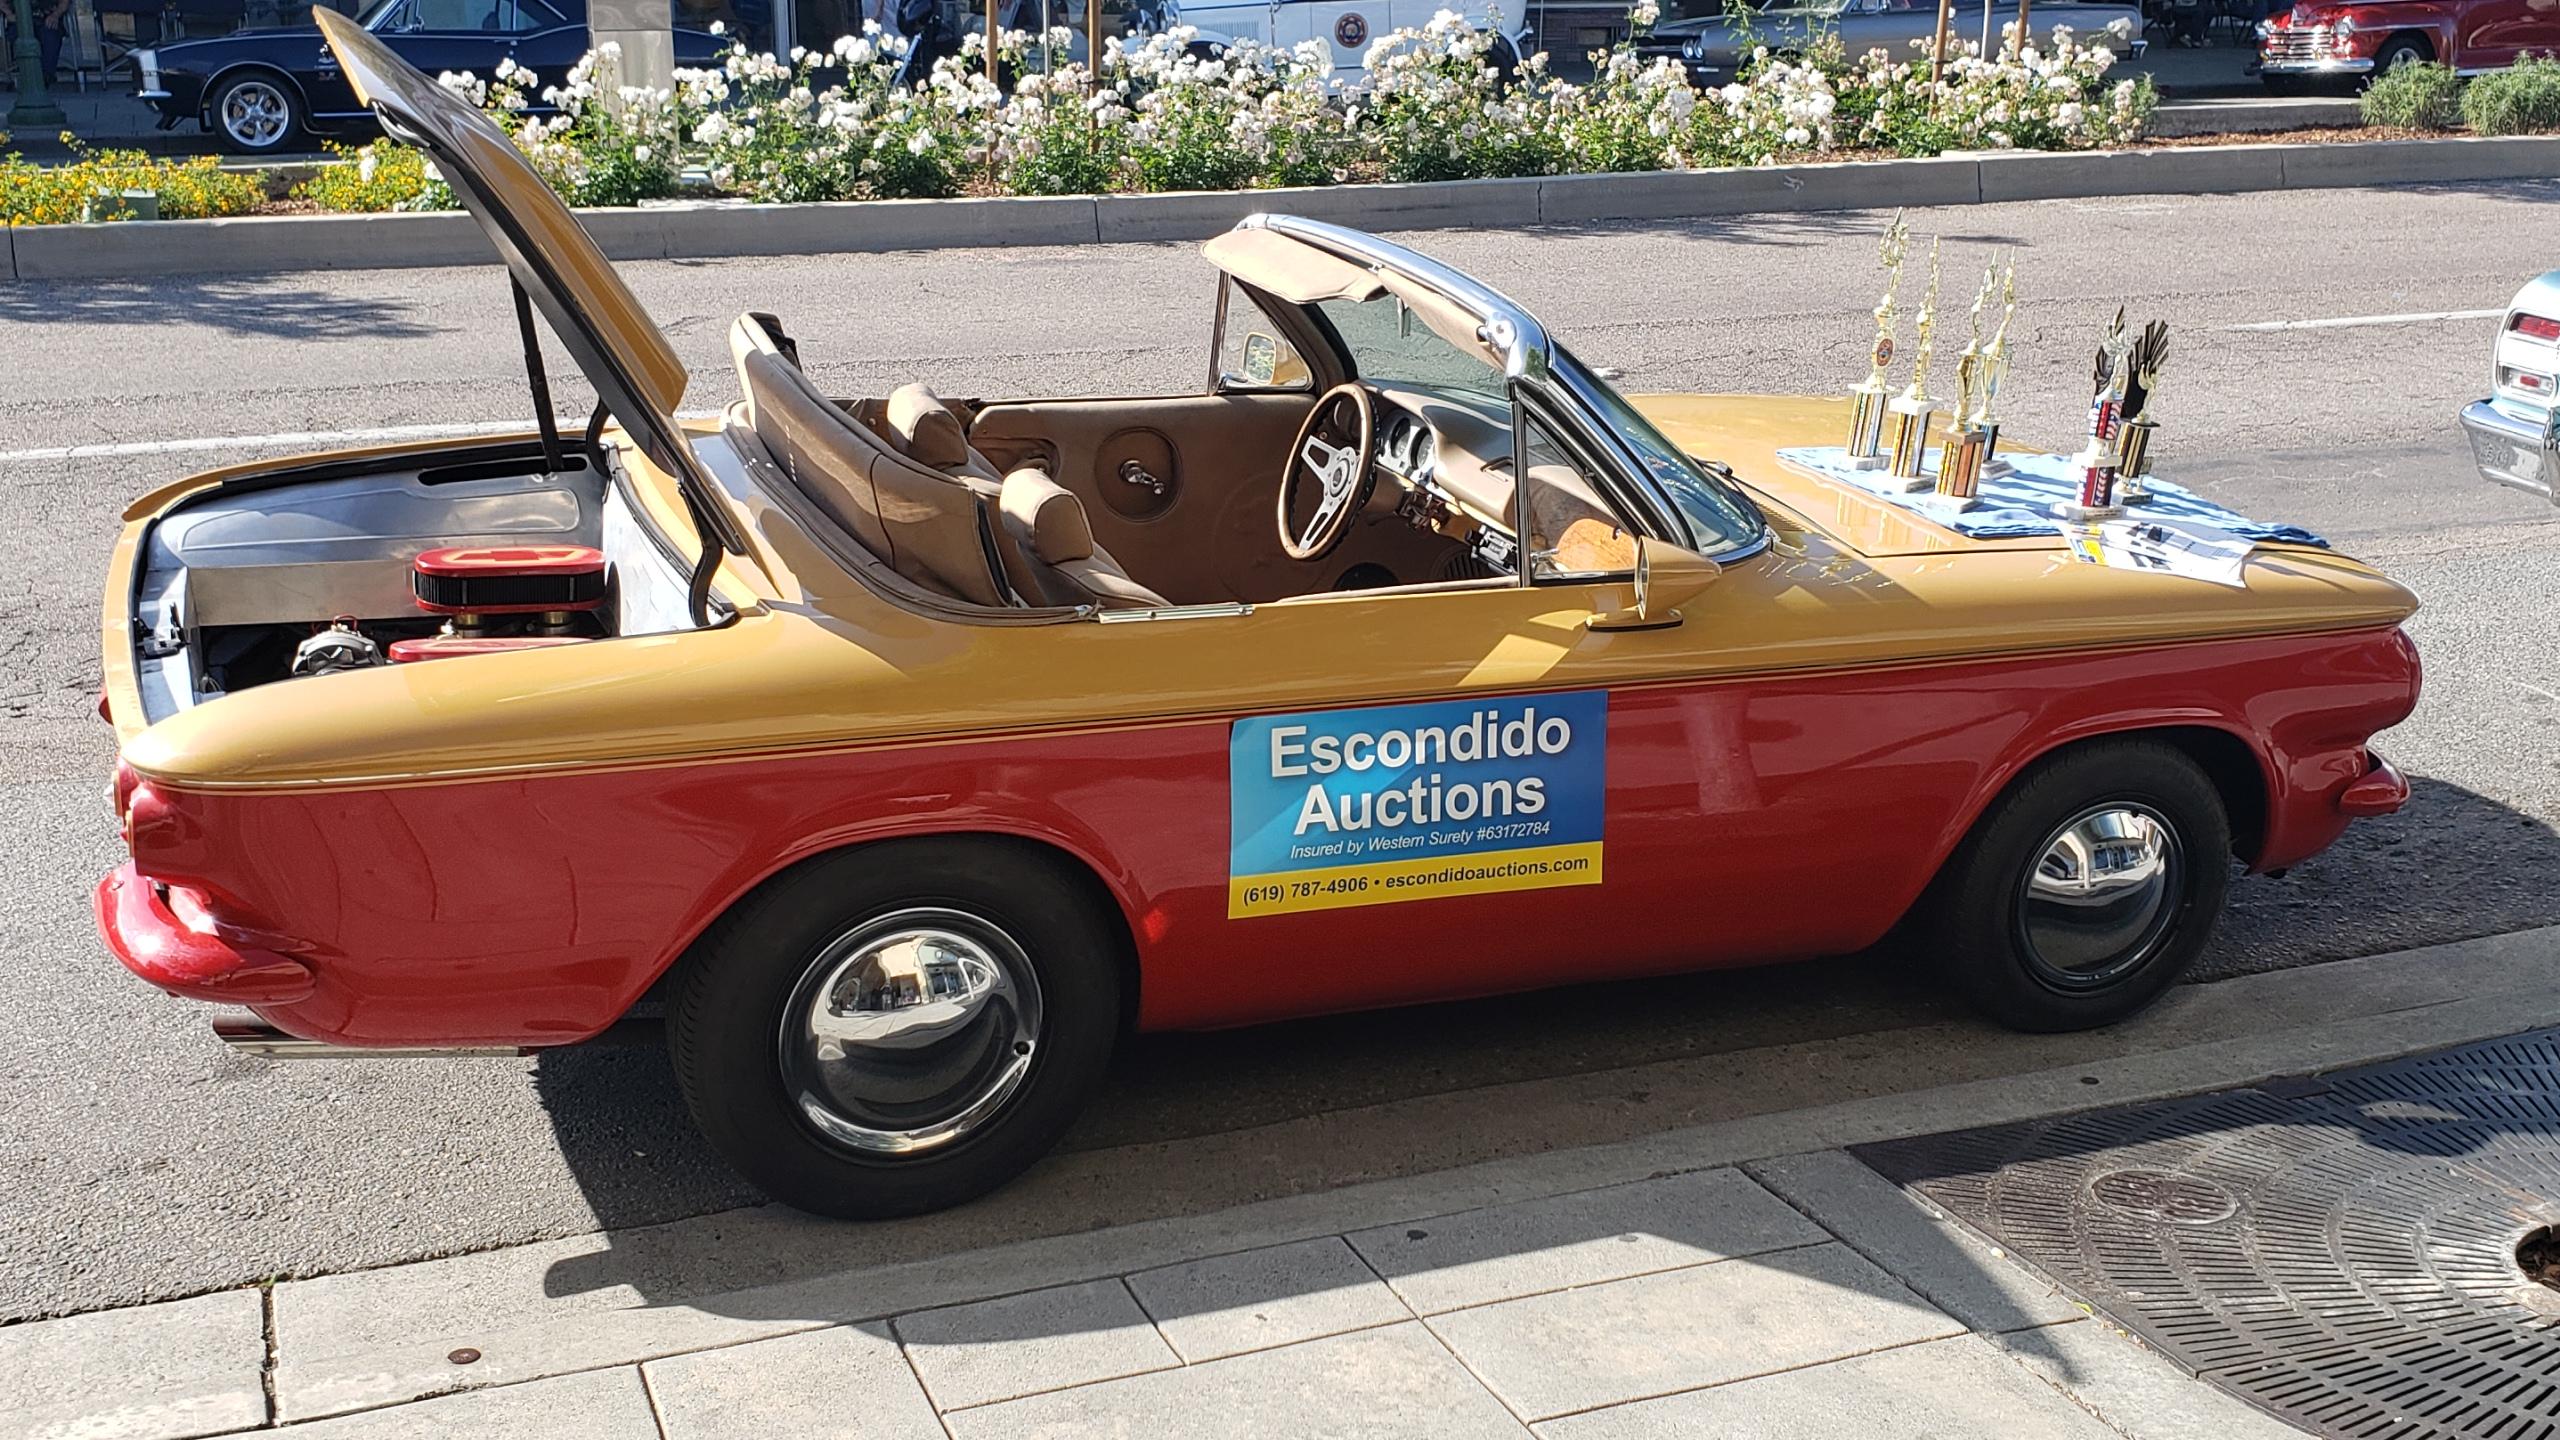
<point x="1406" y="446"/>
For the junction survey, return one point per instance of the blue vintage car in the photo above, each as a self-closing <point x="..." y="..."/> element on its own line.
<point x="2515" y="432"/>
<point x="261" y="91"/>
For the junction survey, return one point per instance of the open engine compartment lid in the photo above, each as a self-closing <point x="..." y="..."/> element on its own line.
<point x="634" y="370"/>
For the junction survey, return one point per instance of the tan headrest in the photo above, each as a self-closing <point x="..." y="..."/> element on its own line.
<point x="926" y="429"/>
<point x="1050" y="520"/>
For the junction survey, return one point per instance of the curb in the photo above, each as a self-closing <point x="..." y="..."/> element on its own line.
<point x="716" y="229"/>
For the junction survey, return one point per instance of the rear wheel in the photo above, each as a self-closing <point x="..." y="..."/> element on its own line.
<point x="2087" y="889"/>
<point x="898" y="1028"/>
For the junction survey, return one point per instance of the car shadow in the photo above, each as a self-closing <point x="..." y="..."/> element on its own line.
<point x="1189" y="1125"/>
<point x="275" y="307"/>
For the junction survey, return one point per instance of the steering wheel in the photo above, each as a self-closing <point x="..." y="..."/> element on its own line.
<point x="1333" y="450"/>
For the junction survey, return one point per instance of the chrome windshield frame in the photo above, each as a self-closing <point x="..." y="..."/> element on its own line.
<point x="1527" y="354"/>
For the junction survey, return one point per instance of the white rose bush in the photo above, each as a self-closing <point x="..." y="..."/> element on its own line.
<point x="1444" y="102"/>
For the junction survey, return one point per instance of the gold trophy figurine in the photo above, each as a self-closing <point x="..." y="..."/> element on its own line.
<point x="1912" y="409"/>
<point x="1995" y="372"/>
<point x="1960" y="461"/>
<point x="2133" y="436"/>
<point x="1866" y="415"/>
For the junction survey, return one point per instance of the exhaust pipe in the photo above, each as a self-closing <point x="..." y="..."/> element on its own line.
<point x="248" y="1035"/>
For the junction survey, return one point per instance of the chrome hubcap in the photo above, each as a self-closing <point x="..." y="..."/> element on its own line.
<point x="910" y="1031"/>
<point x="2101" y="896"/>
<point x="254" y="113"/>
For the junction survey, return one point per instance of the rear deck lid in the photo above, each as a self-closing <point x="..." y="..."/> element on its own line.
<point x="624" y="355"/>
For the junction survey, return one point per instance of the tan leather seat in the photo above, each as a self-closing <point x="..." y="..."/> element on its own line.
<point x="938" y="533"/>
<point x="1047" y="524"/>
<point x="929" y="432"/>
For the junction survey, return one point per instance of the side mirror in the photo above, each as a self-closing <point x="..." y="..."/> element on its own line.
<point x="1666" y="578"/>
<point x="1261" y="358"/>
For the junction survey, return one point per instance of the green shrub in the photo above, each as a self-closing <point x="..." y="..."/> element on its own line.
<point x="32" y="194"/>
<point x="2523" y="99"/>
<point x="384" y="175"/>
<point x="2415" y="97"/>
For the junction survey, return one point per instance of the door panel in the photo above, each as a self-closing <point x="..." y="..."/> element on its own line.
<point x="1211" y="536"/>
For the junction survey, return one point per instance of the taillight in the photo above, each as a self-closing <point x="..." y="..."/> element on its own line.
<point x="2535" y="327"/>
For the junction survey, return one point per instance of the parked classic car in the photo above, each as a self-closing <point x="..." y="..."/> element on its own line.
<point x="1713" y="47"/>
<point x="1347" y="27"/>
<point x="2326" y="42"/>
<point x="260" y="91"/>
<point x="2515" y="432"/>
<point x="907" y="751"/>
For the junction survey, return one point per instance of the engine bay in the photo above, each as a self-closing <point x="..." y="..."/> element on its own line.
<point x="307" y="571"/>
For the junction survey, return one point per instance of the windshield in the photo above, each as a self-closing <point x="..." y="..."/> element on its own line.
<point x="1389" y="344"/>
<point x="371" y="15"/>
<point x="1721" y="519"/>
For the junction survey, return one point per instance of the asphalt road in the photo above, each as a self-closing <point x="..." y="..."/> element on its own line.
<point x="145" y="1163"/>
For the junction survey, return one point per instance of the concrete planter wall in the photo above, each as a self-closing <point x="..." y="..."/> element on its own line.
<point x="712" y="229"/>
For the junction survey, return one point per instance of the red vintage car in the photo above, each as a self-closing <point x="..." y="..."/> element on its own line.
<point x="906" y="752"/>
<point x="2318" y="41"/>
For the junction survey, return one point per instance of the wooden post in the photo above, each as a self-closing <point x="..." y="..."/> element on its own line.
<point x="1938" y="50"/>
<point x="1092" y="43"/>
<point x="2023" y="32"/>
<point x="992" y="34"/>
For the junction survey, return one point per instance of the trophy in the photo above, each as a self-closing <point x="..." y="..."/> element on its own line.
<point x="2133" y="437"/>
<point x="1912" y="409"/>
<point x="2096" y="461"/>
<point x="1995" y="372"/>
<point x="1960" y="462"/>
<point x="1866" y="415"/>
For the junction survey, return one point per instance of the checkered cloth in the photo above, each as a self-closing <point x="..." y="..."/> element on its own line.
<point x="2021" y="502"/>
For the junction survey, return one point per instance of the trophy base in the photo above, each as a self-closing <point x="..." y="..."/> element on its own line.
<point x="2067" y="510"/>
<point x="1912" y="484"/>
<point x="1993" y="465"/>
<point x="2131" y="494"/>
<point x="1865" y="462"/>
<point x="1949" y="504"/>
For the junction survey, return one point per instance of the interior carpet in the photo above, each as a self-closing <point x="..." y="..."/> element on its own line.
<point x="2339" y="1251"/>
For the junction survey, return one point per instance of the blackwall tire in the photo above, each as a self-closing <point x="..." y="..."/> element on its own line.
<point x="2086" y="890"/>
<point x="898" y="1028"/>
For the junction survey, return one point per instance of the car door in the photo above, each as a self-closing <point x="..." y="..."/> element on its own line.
<point x="460" y="36"/>
<point x="552" y="38"/>
<point x="2495" y="33"/>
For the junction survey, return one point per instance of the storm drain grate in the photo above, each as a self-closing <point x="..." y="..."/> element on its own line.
<point x="2340" y="1252"/>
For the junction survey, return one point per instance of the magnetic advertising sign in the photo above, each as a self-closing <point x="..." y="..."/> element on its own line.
<point x="1332" y="808"/>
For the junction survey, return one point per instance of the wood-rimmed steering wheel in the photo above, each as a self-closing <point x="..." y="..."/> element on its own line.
<point x="1334" y="450"/>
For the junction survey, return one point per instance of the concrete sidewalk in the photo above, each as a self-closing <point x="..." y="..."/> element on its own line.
<point x="1735" y="1277"/>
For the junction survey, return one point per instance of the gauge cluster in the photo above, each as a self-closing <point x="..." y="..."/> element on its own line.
<point x="1404" y="443"/>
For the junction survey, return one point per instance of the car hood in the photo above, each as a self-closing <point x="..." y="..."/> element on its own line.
<point x="623" y="353"/>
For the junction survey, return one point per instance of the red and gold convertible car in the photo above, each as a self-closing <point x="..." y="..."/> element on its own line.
<point x="909" y="751"/>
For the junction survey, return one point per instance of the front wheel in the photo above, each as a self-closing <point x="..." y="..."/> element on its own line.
<point x="2087" y="889"/>
<point x="2399" y="51"/>
<point x="256" y="114"/>
<point x="899" y="1028"/>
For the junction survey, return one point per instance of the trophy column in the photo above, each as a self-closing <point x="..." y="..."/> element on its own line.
<point x="1868" y="398"/>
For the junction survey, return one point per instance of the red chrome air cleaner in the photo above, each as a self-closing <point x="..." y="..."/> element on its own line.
<point x="509" y="579"/>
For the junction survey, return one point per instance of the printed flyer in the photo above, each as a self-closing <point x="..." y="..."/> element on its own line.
<point x="1333" y="808"/>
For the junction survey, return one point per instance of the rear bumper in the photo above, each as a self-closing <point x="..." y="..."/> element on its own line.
<point x="2511" y="451"/>
<point x="2382" y="791"/>
<point x="153" y="943"/>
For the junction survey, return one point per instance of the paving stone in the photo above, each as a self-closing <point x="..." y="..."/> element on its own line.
<point x="1550" y="1355"/>
<point x="1581" y="1239"/>
<point x="2133" y="1389"/>
<point x="1209" y="1309"/>
<point x="1395" y="1383"/>
<point x="1959" y="1389"/>
<point x="592" y="1405"/>
<point x="849" y="1382"/>
<point x="1923" y="1249"/>
<point x="152" y="1372"/>
<point x="1024" y="1344"/>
